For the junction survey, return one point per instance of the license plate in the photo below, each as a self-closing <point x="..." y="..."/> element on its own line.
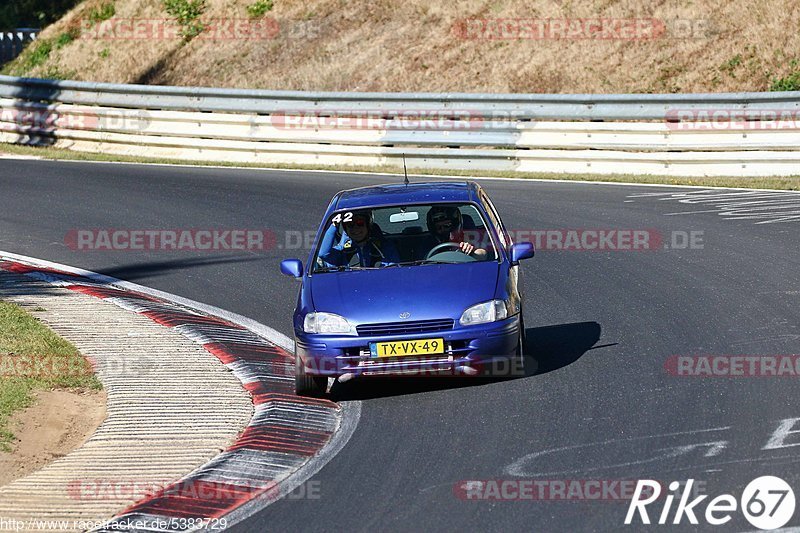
<point x="404" y="348"/>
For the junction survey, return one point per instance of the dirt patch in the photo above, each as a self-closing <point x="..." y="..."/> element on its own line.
<point x="58" y="422"/>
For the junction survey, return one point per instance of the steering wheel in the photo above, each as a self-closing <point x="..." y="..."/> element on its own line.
<point x="439" y="247"/>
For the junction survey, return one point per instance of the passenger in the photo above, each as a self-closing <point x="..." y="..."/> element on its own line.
<point x="445" y="224"/>
<point x="361" y="244"/>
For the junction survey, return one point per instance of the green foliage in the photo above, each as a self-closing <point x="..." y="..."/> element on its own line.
<point x="14" y="395"/>
<point x="32" y="13"/>
<point x="36" y="54"/>
<point x="259" y="8"/>
<point x="33" y="56"/>
<point x="187" y="13"/>
<point x="53" y="72"/>
<point x="67" y="37"/>
<point x="105" y="52"/>
<point x="63" y="40"/>
<point x="103" y="12"/>
<point x="729" y="65"/>
<point x="787" y="83"/>
<point x="23" y="336"/>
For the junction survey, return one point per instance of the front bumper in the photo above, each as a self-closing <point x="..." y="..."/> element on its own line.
<point x="485" y="348"/>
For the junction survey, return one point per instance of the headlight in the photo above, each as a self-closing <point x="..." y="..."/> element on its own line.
<point x="485" y="312"/>
<point x="326" y="323"/>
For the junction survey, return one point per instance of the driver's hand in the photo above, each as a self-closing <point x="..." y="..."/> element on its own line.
<point x="466" y="247"/>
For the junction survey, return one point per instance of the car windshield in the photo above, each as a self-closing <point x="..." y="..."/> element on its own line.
<point x="404" y="236"/>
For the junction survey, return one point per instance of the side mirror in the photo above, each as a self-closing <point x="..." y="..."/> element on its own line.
<point x="292" y="267"/>
<point x="520" y="251"/>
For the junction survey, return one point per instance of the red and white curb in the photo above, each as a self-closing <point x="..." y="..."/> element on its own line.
<point x="288" y="439"/>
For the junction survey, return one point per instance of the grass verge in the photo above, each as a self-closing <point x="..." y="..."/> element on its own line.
<point x="33" y="357"/>
<point x="788" y="183"/>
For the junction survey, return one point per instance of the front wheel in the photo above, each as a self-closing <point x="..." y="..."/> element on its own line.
<point x="526" y="364"/>
<point x="306" y="384"/>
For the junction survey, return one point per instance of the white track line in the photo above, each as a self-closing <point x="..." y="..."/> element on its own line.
<point x="20" y="157"/>
<point x="400" y="176"/>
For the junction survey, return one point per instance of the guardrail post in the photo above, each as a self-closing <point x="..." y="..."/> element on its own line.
<point x="12" y="42"/>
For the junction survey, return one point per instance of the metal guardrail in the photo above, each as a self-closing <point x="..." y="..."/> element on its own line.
<point x="12" y="42"/>
<point x="532" y="106"/>
<point x="648" y="133"/>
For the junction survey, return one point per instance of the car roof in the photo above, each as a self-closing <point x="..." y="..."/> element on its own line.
<point x="413" y="193"/>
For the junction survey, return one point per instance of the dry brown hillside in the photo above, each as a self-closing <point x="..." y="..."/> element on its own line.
<point x="429" y="45"/>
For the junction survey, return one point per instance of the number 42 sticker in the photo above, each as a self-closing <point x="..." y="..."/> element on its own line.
<point x="339" y="218"/>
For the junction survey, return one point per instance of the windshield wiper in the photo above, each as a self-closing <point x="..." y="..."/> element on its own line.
<point x="424" y="262"/>
<point x="332" y="269"/>
<point x="343" y="268"/>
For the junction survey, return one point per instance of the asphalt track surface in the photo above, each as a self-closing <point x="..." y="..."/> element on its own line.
<point x="603" y="324"/>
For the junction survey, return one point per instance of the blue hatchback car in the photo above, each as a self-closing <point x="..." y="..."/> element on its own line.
<point x="409" y="279"/>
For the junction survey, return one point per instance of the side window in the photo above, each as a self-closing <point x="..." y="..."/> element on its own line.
<point x="472" y="217"/>
<point x="505" y="240"/>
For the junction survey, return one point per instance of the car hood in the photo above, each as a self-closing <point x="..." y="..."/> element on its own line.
<point x="425" y="292"/>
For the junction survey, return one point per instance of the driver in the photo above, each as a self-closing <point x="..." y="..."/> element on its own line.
<point x="361" y="243"/>
<point x="446" y="225"/>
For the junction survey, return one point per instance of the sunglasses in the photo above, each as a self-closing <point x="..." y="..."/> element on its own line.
<point x="357" y="222"/>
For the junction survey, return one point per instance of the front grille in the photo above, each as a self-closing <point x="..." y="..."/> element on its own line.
<point x="400" y="328"/>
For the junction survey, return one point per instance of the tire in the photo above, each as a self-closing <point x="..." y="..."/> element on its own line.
<point x="307" y="384"/>
<point x="527" y="364"/>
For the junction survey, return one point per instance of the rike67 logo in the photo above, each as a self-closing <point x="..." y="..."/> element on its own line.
<point x="767" y="503"/>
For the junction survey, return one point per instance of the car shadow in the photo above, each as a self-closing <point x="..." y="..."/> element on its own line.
<point x="151" y="269"/>
<point x="553" y="347"/>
